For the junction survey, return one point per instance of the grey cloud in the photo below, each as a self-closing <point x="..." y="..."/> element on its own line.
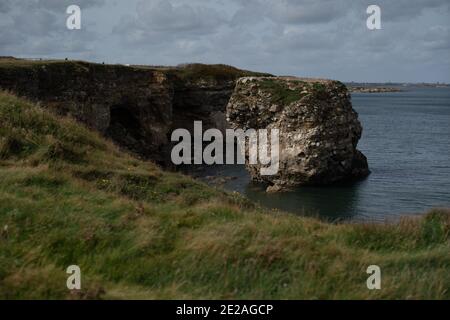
<point x="39" y="27"/>
<point x="409" y="9"/>
<point x="56" y="6"/>
<point x="160" y="20"/>
<point x="5" y="6"/>
<point x="325" y="38"/>
<point x="307" y="11"/>
<point x="161" y="15"/>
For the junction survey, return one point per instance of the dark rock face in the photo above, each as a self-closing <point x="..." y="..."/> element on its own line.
<point x="319" y="130"/>
<point x="130" y="105"/>
<point x="202" y="100"/>
<point x="201" y="93"/>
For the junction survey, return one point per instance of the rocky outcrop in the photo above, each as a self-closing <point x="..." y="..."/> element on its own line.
<point x="319" y="130"/>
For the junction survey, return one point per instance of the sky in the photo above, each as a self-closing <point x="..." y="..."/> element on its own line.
<point x="307" y="38"/>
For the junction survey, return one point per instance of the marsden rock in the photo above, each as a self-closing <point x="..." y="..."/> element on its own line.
<point x="319" y="130"/>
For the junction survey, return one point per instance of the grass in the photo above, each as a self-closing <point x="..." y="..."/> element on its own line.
<point x="13" y="64"/>
<point x="212" y="72"/>
<point x="280" y="92"/>
<point x="283" y="93"/>
<point x="67" y="196"/>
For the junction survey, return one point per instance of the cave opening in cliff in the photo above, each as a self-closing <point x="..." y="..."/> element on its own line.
<point x="124" y="127"/>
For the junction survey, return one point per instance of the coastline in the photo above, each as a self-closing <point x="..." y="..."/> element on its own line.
<point x="373" y="89"/>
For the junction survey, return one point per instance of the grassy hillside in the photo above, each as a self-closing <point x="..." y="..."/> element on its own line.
<point x="67" y="196"/>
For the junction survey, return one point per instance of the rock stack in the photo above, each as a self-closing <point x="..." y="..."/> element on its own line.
<point x="319" y="130"/>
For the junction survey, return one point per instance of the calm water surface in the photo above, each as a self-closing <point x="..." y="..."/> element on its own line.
<point x="406" y="139"/>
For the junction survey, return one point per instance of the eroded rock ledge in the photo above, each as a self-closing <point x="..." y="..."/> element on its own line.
<point x="319" y="130"/>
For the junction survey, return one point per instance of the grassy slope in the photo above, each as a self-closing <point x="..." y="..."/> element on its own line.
<point x="67" y="196"/>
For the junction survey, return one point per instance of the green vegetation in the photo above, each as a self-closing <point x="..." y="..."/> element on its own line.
<point x="10" y="64"/>
<point x="217" y="72"/>
<point x="67" y="196"/>
<point x="280" y="92"/>
<point x="285" y="93"/>
<point x="319" y="87"/>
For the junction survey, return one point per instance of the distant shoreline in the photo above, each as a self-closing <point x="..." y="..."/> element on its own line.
<point x="373" y="89"/>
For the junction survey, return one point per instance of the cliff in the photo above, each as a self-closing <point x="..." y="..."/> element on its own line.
<point x="130" y="105"/>
<point x="136" y="106"/>
<point x="318" y="129"/>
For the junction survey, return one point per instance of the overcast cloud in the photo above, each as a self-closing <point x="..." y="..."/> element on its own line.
<point x="312" y="38"/>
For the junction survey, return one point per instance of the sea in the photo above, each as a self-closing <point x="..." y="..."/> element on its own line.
<point x="406" y="138"/>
